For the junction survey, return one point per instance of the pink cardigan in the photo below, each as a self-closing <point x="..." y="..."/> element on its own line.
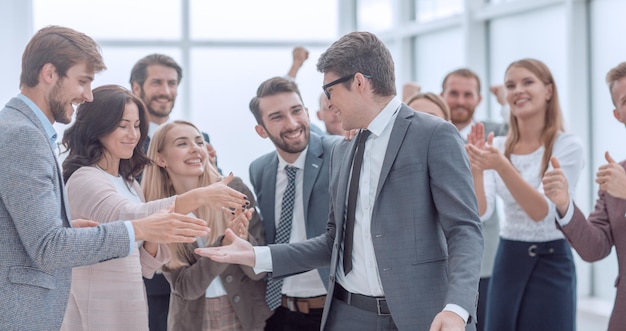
<point x="111" y="294"/>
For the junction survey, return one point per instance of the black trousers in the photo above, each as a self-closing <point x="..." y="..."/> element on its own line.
<point x="287" y="320"/>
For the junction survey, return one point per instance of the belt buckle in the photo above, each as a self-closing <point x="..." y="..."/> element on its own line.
<point x="291" y="304"/>
<point x="379" y="304"/>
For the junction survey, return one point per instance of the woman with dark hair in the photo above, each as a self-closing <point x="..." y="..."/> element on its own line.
<point x="533" y="286"/>
<point x="105" y="156"/>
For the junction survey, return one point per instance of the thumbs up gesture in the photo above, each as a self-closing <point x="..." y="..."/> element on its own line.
<point x="612" y="178"/>
<point x="555" y="186"/>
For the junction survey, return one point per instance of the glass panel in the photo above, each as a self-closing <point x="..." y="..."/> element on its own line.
<point x="429" y="10"/>
<point x="437" y="54"/>
<point x="107" y="19"/>
<point x="222" y="83"/>
<point x="374" y="15"/>
<point x="267" y="20"/>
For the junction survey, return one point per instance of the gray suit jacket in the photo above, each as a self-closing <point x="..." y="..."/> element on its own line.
<point x="38" y="247"/>
<point x="315" y="191"/>
<point x="425" y="226"/>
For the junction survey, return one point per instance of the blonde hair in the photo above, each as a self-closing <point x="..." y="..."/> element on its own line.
<point x="613" y="76"/>
<point x="434" y="98"/>
<point x="157" y="184"/>
<point x="553" y="119"/>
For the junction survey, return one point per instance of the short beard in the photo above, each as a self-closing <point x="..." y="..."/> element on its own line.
<point x="151" y="111"/>
<point x="57" y="108"/>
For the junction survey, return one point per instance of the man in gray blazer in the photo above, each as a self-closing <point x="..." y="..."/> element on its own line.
<point x="40" y="243"/>
<point x="417" y="241"/>
<point x="282" y="117"/>
<point x="461" y="91"/>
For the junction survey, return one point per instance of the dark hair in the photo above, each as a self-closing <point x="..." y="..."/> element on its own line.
<point x="140" y="69"/>
<point x="272" y="86"/>
<point x="361" y="52"/>
<point x="97" y="119"/>
<point x="463" y="72"/>
<point x="61" y="47"/>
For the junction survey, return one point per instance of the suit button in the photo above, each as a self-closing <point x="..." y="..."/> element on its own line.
<point x="229" y="279"/>
<point x="236" y="299"/>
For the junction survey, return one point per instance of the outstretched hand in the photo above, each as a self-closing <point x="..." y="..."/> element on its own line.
<point x="612" y="178"/>
<point x="239" y="251"/>
<point x="166" y="227"/>
<point x="219" y="195"/>
<point x="555" y="186"/>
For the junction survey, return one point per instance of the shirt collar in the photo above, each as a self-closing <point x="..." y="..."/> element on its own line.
<point x="45" y="122"/>
<point x="385" y="116"/>
<point x="298" y="163"/>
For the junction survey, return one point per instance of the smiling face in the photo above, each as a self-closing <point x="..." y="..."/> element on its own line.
<point x="184" y="154"/>
<point x="331" y="120"/>
<point x="285" y="121"/>
<point x="68" y="92"/>
<point x="462" y="96"/>
<point x="120" y="144"/>
<point x="159" y="91"/>
<point x="527" y="95"/>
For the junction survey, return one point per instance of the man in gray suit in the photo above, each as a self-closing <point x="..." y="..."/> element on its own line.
<point x="40" y="243"/>
<point x="416" y="240"/>
<point x="461" y="91"/>
<point x="282" y="117"/>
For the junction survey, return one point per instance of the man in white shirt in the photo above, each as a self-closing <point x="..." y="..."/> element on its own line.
<point x="410" y="257"/>
<point x="282" y="117"/>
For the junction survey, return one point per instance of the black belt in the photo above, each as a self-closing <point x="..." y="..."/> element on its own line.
<point x="376" y="305"/>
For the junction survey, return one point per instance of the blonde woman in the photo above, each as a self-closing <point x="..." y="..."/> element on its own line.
<point x="206" y="295"/>
<point x="533" y="286"/>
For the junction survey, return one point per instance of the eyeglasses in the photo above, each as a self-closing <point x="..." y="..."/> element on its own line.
<point x="340" y="80"/>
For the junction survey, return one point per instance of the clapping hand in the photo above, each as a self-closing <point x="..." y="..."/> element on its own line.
<point x="481" y="153"/>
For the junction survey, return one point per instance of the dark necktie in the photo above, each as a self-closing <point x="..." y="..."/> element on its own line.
<point x="274" y="286"/>
<point x="353" y="191"/>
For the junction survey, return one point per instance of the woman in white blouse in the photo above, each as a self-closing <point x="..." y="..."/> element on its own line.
<point x="533" y="286"/>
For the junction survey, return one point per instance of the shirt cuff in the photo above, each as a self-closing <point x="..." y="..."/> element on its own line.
<point x="263" y="259"/>
<point x="457" y="310"/>
<point x="563" y="221"/>
<point x="131" y="235"/>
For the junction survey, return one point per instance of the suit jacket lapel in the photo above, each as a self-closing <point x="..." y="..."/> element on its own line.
<point x="398" y="132"/>
<point x="313" y="164"/>
<point x="345" y="156"/>
<point x="268" y="203"/>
